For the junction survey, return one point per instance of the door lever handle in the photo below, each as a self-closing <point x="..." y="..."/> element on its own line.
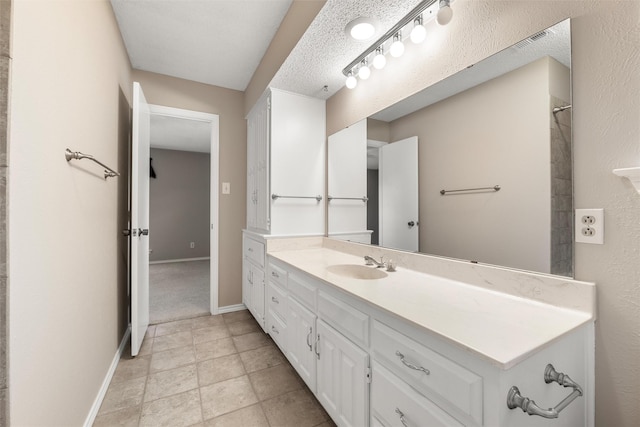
<point x="126" y="232"/>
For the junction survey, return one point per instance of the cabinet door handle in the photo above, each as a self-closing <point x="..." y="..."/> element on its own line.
<point x="309" y="338"/>
<point x="410" y="365"/>
<point x="273" y="328"/>
<point x="401" y="415"/>
<point x="274" y="299"/>
<point x="317" y="351"/>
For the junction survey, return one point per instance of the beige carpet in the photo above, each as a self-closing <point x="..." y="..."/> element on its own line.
<point x="178" y="290"/>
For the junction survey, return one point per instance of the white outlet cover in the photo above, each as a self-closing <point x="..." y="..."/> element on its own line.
<point x="597" y="237"/>
<point x="226" y="188"/>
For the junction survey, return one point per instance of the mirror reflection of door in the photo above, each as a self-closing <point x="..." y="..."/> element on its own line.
<point x="398" y="193"/>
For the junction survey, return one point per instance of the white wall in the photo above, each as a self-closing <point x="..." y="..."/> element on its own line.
<point x="606" y="132"/>
<point x="69" y="67"/>
<point x="347" y="177"/>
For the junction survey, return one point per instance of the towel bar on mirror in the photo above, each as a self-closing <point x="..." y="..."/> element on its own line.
<point x="516" y="400"/>
<point x="277" y="196"/>
<point x="363" y="199"/>
<point x="494" y="188"/>
<point x="76" y="155"/>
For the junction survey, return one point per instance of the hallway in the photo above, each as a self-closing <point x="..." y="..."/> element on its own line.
<point x="209" y="371"/>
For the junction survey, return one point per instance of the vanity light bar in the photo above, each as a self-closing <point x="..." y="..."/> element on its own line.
<point x="415" y="16"/>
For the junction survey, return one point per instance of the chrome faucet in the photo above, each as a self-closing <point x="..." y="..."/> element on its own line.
<point x="371" y="261"/>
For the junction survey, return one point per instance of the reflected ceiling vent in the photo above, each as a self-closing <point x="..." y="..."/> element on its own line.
<point x="534" y="38"/>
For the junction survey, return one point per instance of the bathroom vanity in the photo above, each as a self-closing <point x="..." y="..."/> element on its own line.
<point x="449" y="347"/>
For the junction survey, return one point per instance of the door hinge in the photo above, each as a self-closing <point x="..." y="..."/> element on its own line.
<point x="368" y="375"/>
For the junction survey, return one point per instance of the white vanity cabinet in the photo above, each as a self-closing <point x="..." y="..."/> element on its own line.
<point x="333" y="367"/>
<point x="286" y="164"/>
<point x="369" y="366"/>
<point x="253" y="283"/>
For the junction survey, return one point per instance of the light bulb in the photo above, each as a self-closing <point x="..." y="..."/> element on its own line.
<point x="352" y="82"/>
<point x="397" y="48"/>
<point x="364" y="71"/>
<point x="419" y="32"/>
<point x="379" y="61"/>
<point x="445" y="13"/>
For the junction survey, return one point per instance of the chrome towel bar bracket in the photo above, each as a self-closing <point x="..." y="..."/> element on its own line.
<point x="516" y="400"/>
<point x="76" y="155"/>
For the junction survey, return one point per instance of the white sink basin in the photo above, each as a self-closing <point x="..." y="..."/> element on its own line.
<point x="355" y="271"/>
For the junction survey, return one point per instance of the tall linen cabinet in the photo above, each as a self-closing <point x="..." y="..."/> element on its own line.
<point x="286" y="149"/>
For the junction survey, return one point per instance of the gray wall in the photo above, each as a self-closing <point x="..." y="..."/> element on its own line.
<point x="179" y="205"/>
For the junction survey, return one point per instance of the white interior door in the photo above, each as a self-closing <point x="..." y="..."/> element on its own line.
<point x="398" y="181"/>
<point x="140" y="158"/>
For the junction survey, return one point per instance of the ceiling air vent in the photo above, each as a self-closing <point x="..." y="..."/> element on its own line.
<point x="526" y="42"/>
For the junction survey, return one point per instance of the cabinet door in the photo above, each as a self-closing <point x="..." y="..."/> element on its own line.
<point x="301" y="339"/>
<point x="257" y="294"/>
<point x="343" y="387"/>
<point x="263" y="197"/>
<point x="246" y="283"/>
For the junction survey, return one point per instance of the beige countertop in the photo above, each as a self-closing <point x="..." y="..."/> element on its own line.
<point x="498" y="326"/>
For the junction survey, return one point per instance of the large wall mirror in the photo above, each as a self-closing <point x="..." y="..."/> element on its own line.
<point x="476" y="167"/>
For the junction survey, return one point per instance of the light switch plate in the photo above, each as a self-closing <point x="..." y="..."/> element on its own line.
<point x="226" y="188"/>
<point x="589" y="226"/>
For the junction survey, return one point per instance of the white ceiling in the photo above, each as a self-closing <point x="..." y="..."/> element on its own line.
<point x="218" y="42"/>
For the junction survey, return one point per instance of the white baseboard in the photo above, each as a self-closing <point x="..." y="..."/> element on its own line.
<point x="167" y="261"/>
<point x="107" y="380"/>
<point x="231" y="308"/>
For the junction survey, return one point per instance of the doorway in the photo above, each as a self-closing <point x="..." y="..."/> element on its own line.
<point x="183" y="253"/>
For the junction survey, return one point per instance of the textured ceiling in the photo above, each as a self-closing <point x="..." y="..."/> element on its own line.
<point x="218" y="42"/>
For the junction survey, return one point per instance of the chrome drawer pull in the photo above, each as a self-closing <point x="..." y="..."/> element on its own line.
<point x="274" y="299"/>
<point x="309" y="338"/>
<point x="401" y="415"/>
<point x="317" y="351"/>
<point x="274" y="274"/>
<point x="409" y="365"/>
<point x="273" y="328"/>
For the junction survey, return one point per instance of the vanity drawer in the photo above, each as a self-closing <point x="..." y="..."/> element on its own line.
<point x="304" y="290"/>
<point x="277" y="299"/>
<point x="254" y="251"/>
<point x="445" y="382"/>
<point x="277" y="329"/>
<point x="396" y="404"/>
<point x="351" y="322"/>
<point x="278" y="275"/>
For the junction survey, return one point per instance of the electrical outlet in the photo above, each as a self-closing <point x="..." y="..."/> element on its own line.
<point x="192" y="245"/>
<point x="589" y="226"/>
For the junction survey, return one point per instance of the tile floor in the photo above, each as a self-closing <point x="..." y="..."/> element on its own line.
<point x="209" y="371"/>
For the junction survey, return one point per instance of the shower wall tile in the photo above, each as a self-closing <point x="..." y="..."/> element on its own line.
<point x="5" y="64"/>
<point x="561" y="190"/>
<point x="5" y="28"/>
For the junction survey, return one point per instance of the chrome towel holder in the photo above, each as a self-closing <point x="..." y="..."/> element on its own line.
<point x="494" y="188"/>
<point x="363" y="199"/>
<point x="278" y="196"/>
<point x="76" y="155"/>
<point x="516" y="400"/>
